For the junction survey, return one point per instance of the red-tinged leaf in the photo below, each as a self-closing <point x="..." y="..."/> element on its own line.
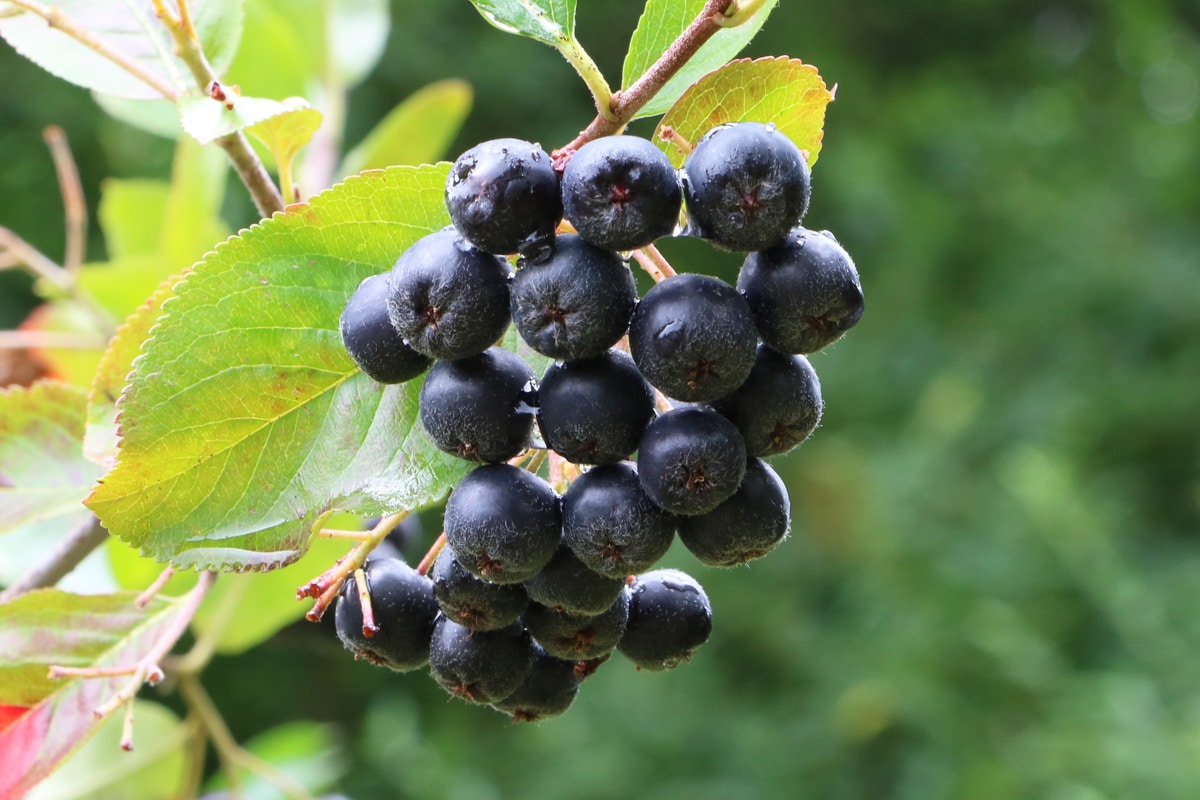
<point x="10" y="714"/>
<point x="50" y="627"/>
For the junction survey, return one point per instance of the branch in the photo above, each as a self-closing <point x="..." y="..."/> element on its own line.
<point x="70" y="551"/>
<point x="717" y="14"/>
<point x="325" y="587"/>
<point x="74" y="205"/>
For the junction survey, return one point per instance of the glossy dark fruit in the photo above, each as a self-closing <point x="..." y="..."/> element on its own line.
<point x="693" y="337"/>
<point x="691" y="460"/>
<point x="503" y="195"/>
<point x="745" y="185"/>
<point x="472" y="601"/>
<point x="778" y="406"/>
<point x="595" y="410"/>
<point x="574" y="304"/>
<point x="372" y="341"/>
<point x="567" y="584"/>
<point x="479" y="666"/>
<point x="578" y="637"/>
<point x="747" y="526"/>
<point x="448" y="299"/>
<point x="404" y="609"/>
<point x="804" y="293"/>
<point x="503" y="523"/>
<point x="621" y="192"/>
<point x="547" y="691"/>
<point x="669" y="618"/>
<point x="480" y="408"/>
<point x="612" y="525"/>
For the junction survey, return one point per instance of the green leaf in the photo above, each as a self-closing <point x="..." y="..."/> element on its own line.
<point x="417" y="131"/>
<point x="157" y="766"/>
<point x="278" y="59"/>
<point x="287" y="133"/>
<point x="356" y="35"/>
<point x="307" y="752"/>
<point x="43" y="473"/>
<point x="549" y="21"/>
<point x="129" y="27"/>
<point x="244" y="420"/>
<point x="131" y="216"/>
<point x="206" y="119"/>
<point x="784" y="92"/>
<point x="50" y="627"/>
<point x="660" y="25"/>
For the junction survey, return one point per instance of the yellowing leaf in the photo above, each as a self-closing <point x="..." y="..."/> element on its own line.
<point x="784" y="92"/>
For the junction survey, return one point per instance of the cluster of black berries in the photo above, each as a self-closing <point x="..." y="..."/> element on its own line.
<point x="535" y="587"/>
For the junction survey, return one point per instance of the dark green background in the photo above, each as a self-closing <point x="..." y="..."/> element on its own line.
<point x="992" y="585"/>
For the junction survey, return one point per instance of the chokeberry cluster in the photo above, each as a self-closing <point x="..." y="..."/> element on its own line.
<point x="656" y="414"/>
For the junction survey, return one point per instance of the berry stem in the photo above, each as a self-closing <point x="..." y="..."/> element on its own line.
<point x="434" y="551"/>
<point x="154" y="588"/>
<point x="626" y="103"/>
<point x="652" y="261"/>
<point x="74" y="205"/>
<point x="669" y="134"/>
<point x="369" y="626"/>
<point x="325" y="587"/>
<point x="579" y="58"/>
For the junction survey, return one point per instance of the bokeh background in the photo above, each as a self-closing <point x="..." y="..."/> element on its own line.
<point x="992" y="585"/>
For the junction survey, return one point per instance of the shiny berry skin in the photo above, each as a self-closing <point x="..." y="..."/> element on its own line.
<point x="447" y="299"/>
<point x="472" y="601"/>
<point x="369" y="337"/>
<point x="693" y="337"/>
<point x="574" y="304"/>
<point x="547" y="691"/>
<point x="746" y="185"/>
<point x="479" y="666"/>
<point x="669" y="618"/>
<point x="578" y="637"/>
<point x="778" y="406"/>
<point x="404" y="609"/>
<point x="804" y="293"/>
<point x="480" y="408"/>
<point x="503" y="196"/>
<point x="621" y="192"/>
<point x="567" y="584"/>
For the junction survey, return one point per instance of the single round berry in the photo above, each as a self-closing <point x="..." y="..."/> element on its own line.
<point x="746" y="526"/>
<point x="693" y="337"/>
<point x="804" y="293"/>
<point x="576" y="303"/>
<point x="371" y="340"/>
<point x="447" y="299"/>
<point x="746" y="185"/>
<point x="621" y="192"/>
<point x="594" y="411"/>
<point x="479" y="666"/>
<point x="480" y="408"/>
<point x="567" y="584"/>
<point x="503" y="523"/>
<point x="403" y="607"/>
<point x="472" y="601"/>
<point x="669" y="618"/>
<point x="547" y="691"/>
<point x="612" y="525"/>
<point x="503" y="195"/>
<point x="778" y="406"/>
<point x="691" y="460"/>
<point x="578" y="637"/>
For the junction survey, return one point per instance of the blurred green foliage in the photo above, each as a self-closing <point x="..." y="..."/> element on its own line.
<point x="993" y="577"/>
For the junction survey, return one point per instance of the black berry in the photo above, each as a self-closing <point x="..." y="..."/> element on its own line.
<point x="621" y="192"/>
<point x="746" y="185"/>
<point x="567" y="584"/>
<point x="372" y="341"/>
<point x="448" y="299"/>
<point x="472" y="601"/>
<point x="503" y="195"/>
<point x="479" y="666"/>
<point x="778" y="406"/>
<point x="547" y="691"/>
<point x="594" y="411"/>
<point x="804" y="292"/>
<point x="691" y="460"/>
<point x="576" y="303"/>
<point x="669" y="618"/>
<point x="404" y="609"/>
<point x="503" y="523"/>
<point x="480" y="408"/>
<point x="578" y="637"/>
<point x="746" y="526"/>
<point x="693" y="337"/>
<point x="612" y="525"/>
